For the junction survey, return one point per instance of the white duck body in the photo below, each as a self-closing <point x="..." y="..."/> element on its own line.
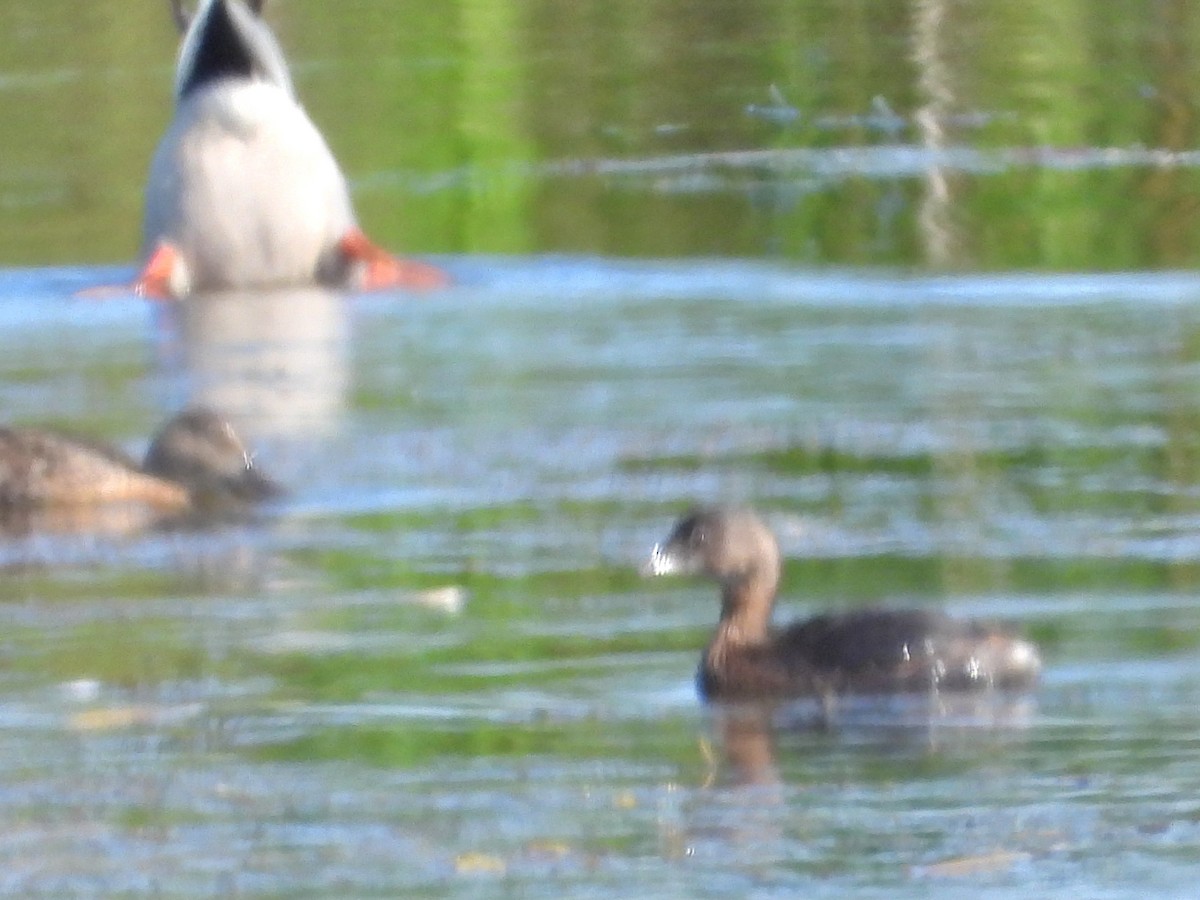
<point x="243" y="186"/>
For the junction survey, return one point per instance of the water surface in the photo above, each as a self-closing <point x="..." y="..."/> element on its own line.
<point x="928" y="304"/>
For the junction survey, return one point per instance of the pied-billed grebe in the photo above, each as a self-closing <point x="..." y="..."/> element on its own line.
<point x="243" y="190"/>
<point x="196" y="460"/>
<point x="869" y="651"/>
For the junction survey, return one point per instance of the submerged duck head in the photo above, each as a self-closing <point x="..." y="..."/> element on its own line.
<point x="227" y="39"/>
<point x="243" y="191"/>
<point x="199" y="449"/>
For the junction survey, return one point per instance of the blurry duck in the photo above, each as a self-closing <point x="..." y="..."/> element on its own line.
<point x="243" y="191"/>
<point x="868" y="651"/>
<point x="196" y="462"/>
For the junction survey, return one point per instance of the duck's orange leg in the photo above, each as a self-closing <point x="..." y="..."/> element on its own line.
<point x="382" y="270"/>
<point x="157" y="280"/>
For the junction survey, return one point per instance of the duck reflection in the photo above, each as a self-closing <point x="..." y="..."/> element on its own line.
<point x="275" y="361"/>
<point x="745" y="737"/>
<point x="755" y="740"/>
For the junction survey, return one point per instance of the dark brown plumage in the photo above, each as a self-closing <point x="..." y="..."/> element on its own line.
<point x="869" y="651"/>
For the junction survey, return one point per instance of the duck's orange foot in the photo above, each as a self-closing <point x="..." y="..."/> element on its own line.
<point x="381" y="270"/>
<point x="164" y="275"/>
<point x="162" y="278"/>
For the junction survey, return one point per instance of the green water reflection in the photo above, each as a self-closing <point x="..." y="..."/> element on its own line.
<point x="452" y="119"/>
<point x="433" y="670"/>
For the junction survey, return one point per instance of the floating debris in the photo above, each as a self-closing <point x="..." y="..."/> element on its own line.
<point x="777" y="112"/>
<point x="479" y="864"/>
<point x="965" y="866"/>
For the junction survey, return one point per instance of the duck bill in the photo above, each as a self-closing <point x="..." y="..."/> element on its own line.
<point x="253" y="486"/>
<point x="664" y="561"/>
<point x="235" y="492"/>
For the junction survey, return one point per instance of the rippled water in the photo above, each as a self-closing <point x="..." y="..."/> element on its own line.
<point x="914" y="279"/>
<point x="433" y="670"/>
